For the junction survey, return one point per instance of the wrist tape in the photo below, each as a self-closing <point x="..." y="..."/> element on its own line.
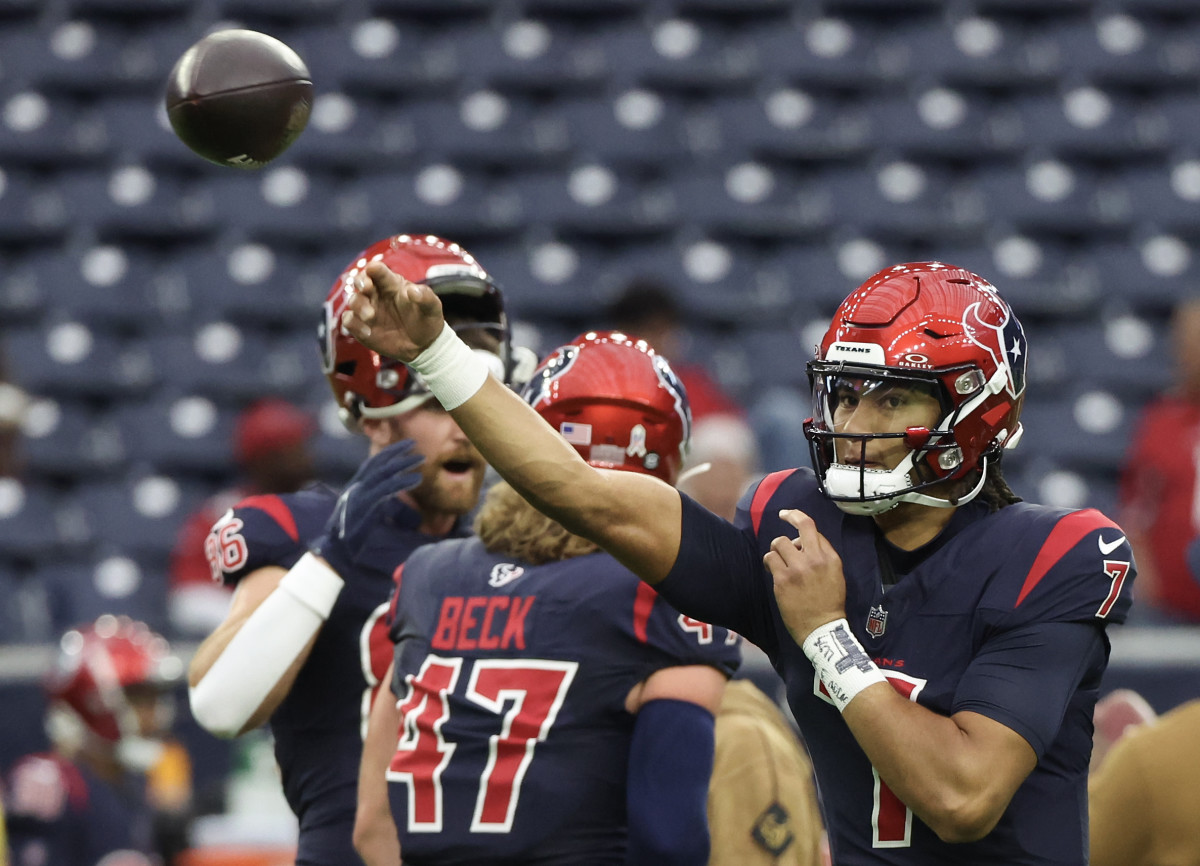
<point x="450" y="369"/>
<point x="843" y="665"/>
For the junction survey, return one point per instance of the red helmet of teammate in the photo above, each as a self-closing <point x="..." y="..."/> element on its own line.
<point x="934" y="327"/>
<point x="101" y="670"/>
<point x="617" y="401"/>
<point x="366" y="385"/>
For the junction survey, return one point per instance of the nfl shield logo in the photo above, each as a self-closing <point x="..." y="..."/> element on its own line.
<point x="876" y="621"/>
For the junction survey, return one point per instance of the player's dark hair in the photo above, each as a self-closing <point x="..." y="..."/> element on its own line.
<point x="996" y="493"/>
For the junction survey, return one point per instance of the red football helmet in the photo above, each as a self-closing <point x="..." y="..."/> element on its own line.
<point x="89" y="688"/>
<point x="937" y="328"/>
<point x="617" y="401"/>
<point x="366" y="385"/>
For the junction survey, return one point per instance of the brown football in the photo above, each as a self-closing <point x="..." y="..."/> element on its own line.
<point x="239" y="98"/>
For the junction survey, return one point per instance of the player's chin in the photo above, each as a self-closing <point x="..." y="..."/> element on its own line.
<point x="457" y="486"/>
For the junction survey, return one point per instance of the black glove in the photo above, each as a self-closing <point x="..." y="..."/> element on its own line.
<point x="368" y="502"/>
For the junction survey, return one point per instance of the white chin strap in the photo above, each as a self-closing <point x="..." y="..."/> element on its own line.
<point x="853" y="489"/>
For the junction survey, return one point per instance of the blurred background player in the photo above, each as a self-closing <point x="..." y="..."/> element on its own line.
<point x="1144" y="798"/>
<point x="306" y="653"/>
<point x="271" y="448"/>
<point x="13" y="403"/>
<point x="967" y="741"/>
<point x="576" y="714"/>
<point x="1159" y="503"/>
<point x="762" y="804"/>
<point x="108" y="714"/>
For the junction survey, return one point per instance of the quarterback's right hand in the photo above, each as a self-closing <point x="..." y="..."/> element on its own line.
<point x="390" y="315"/>
<point x="368" y="502"/>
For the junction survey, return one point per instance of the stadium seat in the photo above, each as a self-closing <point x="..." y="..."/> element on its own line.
<point x="975" y="51"/>
<point x="724" y="283"/>
<point x="71" y="359"/>
<point x="535" y="55"/>
<point x="637" y="127"/>
<point x="25" y="614"/>
<point x="1089" y="430"/>
<point x="187" y="434"/>
<point x="103" y="286"/>
<point x="68" y="439"/>
<point x="138" y="516"/>
<point x="1164" y="195"/>
<point x="136" y="203"/>
<point x="36" y="130"/>
<point x="1118" y="48"/>
<point x="33" y="209"/>
<point x="1150" y="272"/>
<point x="786" y="123"/>
<point x="214" y="359"/>
<point x="550" y="280"/>
<point x="1050" y="195"/>
<point x="593" y="200"/>
<point x="898" y="200"/>
<point x="1090" y="122"/>
<point x="754" y="200"/>
<point x="114" y="584"/>
<point x="932" y="121"/>
<point x="28" y="520"/>
<point x="680" y="54"/>
<point x="354" y="132"/>
<point x="487" y="128"/>
<point x="437" y="198"/>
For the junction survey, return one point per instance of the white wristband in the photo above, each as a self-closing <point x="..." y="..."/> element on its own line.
<point x="450" y="369"/>
<point x="313" y="583"/>
<point x="841" y="662"/>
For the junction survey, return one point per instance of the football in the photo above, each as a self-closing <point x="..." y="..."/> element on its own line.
<point x="239" y="98"/>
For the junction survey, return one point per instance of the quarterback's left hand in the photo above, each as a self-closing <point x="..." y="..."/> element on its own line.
<point x="368" y="502"/>
<point x="810" y="588"/>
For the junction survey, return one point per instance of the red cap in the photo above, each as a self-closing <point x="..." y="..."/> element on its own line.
<point x="269" y="425"/>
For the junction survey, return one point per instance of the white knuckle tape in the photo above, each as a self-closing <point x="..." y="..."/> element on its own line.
<point x="450" y="369"/>
<point x="842" y="663"/>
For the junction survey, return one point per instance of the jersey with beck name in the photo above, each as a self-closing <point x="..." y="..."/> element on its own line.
<point x="511" y="682"/>
<point x="1004" y="616"/>
<point x="320" y="725"/>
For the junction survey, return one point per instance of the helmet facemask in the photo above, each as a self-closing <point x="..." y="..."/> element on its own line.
<point x="844" y="460"/>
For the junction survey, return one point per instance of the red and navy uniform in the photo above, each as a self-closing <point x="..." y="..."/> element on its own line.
<point x="511" y="682"/>
<point x="1003" y="614"/>
<point x="62" y="814"/>
<point x="320" y="725"/>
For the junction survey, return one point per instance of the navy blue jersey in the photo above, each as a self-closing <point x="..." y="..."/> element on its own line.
<point x="320" y="725"/>
<point x="1004" y="616"/>
<point x="511" y="681"/>
<point x="61" y="813"/>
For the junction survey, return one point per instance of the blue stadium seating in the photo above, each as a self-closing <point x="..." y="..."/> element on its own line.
<point x="761" y="156"/>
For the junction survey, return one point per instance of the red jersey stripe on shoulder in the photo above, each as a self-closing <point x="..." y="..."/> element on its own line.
<point x="397" y="577"/>
<point x="275" y="507"/>
<point x="766" y="489"/>
<point x="1063" y="537"/>
<point x="643" y="604"/>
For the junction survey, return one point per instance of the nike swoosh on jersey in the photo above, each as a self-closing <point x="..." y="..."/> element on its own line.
<point x="1107" y="547"/>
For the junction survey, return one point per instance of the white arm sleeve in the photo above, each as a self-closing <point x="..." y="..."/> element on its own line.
<point x="266" y="645"/>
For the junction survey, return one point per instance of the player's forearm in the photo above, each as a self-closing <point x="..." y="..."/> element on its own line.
<point x="259" y="662"/>
<point x="932" y="763"/>
<point x="375" y="836"/>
